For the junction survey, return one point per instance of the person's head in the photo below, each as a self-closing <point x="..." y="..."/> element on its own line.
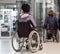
<point x="25" y="8"/>
<point x="51" y="13"/>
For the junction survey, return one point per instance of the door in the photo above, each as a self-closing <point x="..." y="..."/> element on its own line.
<point x="37" y="10"/>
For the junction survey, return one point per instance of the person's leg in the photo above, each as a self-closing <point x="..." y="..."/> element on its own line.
<point x="48" y="34"/>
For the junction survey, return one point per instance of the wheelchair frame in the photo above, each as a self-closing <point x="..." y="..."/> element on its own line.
<point x="54" y="38"/>
<point x="28" y="45"/>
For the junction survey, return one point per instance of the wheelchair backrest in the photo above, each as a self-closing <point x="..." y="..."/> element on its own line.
<point x="24" y="26"/>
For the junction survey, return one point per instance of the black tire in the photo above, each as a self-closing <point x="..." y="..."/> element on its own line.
<point x="27" y="47"/>
<point x="57" y="37"/>
<point x="30" y="41"/>
<point x="19" y="47"/>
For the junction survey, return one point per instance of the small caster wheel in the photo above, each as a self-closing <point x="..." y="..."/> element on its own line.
<point x="44" y="41"/>
<point x="40" y="47"/>
<point x="57" y="41"/>
<point x="27" y="47"/>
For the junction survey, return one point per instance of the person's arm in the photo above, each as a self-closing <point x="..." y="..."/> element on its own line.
<point x="45" y="23"/>
<point x="33" y="23"/>
<point x="57" y="23"/>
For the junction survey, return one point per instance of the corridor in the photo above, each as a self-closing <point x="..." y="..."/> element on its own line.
<point x="48" y="48"/>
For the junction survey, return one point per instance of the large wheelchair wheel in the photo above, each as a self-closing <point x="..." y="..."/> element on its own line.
<point x="57" y="37"/>
<point x="34" y="41"/>
<point x="16" y="43"/>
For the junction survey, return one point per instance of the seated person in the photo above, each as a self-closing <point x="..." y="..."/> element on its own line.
<point x="51" y="23"/>
<point x="25" y="18"/>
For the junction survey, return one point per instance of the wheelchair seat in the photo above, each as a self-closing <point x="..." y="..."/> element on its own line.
<point x="24" y="29"/>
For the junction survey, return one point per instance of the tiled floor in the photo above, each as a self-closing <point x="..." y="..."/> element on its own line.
<point x="48" y="48"/>
<point x="5" y="46"/>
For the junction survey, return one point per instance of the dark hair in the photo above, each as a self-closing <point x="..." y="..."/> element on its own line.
<point x="25" y="8"/>
<point x="51" y="11"/>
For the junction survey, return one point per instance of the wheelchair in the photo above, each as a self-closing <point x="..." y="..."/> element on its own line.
<point x="50" y="35"/>
<point x="26" y="37"/>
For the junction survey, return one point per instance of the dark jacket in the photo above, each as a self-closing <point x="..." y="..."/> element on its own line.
<point x="26" y="24"/>
<point x="51" y="22"/>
